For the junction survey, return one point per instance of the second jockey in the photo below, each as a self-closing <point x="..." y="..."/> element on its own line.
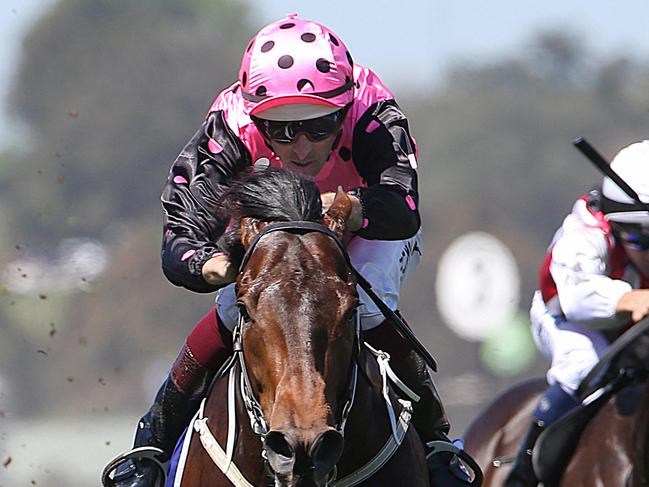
<point x="594" y="283"/>
<point x="301" y="103"/>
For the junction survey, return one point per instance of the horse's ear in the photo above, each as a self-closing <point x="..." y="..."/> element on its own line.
<point x="338" y="213"/>
<point x="249" y="228"/>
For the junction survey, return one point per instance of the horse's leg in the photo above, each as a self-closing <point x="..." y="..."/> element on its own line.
<point x="499" y="430"/>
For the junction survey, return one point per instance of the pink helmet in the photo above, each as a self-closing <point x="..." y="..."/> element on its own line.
<point x="295" y="61"/>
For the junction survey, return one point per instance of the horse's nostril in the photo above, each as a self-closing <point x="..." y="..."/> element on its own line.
<point x="279" y="443"/>
<point x="280" y="452"/>
<point x="326" y="450"/>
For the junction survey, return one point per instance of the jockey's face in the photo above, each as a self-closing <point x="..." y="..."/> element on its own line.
<point x="303" y="155"/>
<point x="635" y="240"/>
<point x="303" y="145"/>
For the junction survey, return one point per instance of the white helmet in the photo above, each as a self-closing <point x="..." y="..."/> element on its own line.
<point x="632" y="165"/>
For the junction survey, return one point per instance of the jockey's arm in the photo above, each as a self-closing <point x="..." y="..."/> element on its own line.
<point x="586" y="294"/>
<point x="385" y="156"/>
<point x="189" y="200"/>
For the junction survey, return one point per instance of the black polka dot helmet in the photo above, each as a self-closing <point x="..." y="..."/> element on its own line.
<point x="296" y="62"/>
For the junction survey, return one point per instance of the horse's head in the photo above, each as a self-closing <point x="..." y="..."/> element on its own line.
<point x="298" y="302"/>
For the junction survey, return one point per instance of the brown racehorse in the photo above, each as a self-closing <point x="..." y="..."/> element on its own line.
<point x="299" y="351"/>
<point x="613" y="450"/>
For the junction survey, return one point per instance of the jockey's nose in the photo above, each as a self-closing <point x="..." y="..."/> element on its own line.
<point x="302" y="146"/>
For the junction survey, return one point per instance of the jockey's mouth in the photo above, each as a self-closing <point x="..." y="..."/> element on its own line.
<point x="303" y="163"/>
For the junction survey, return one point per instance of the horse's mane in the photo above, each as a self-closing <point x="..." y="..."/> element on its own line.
<point x="270" y="195"/>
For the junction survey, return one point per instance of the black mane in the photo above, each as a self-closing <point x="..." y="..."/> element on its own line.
<point x="270" y="195"/>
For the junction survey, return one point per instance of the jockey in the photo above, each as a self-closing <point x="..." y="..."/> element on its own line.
<point x="300" y="103"/>
<point x="594" y="284"/>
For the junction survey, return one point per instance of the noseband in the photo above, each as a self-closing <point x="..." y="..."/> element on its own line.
<point x="253" y="408"/>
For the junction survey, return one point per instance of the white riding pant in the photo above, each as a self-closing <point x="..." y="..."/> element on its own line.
<point x="385" y="264"/>
<point x="573" y="349"/>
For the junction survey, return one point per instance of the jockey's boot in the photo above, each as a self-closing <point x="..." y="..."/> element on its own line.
<point x="430" y="421"/>
<point x="162" y="425"/>
<point x="522" y="473"/>
<point x="552" y="405"/>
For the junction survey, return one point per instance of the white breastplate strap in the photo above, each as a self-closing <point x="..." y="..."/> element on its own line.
<point x="218" y="456"/>
<point x="222" y="459"/>
<point x="399" y="428"/>
<point x="231" y="471"/>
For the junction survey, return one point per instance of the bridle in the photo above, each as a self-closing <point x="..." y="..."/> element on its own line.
<point x="298" y="228"/>
<point x="399" y="420"/>
<point x="252" y="406"/>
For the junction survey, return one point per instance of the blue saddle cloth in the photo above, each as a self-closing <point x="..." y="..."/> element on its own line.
<point x="174" y="460"/>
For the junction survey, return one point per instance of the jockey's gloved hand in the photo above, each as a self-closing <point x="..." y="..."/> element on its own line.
<point x="219" y="271"/>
